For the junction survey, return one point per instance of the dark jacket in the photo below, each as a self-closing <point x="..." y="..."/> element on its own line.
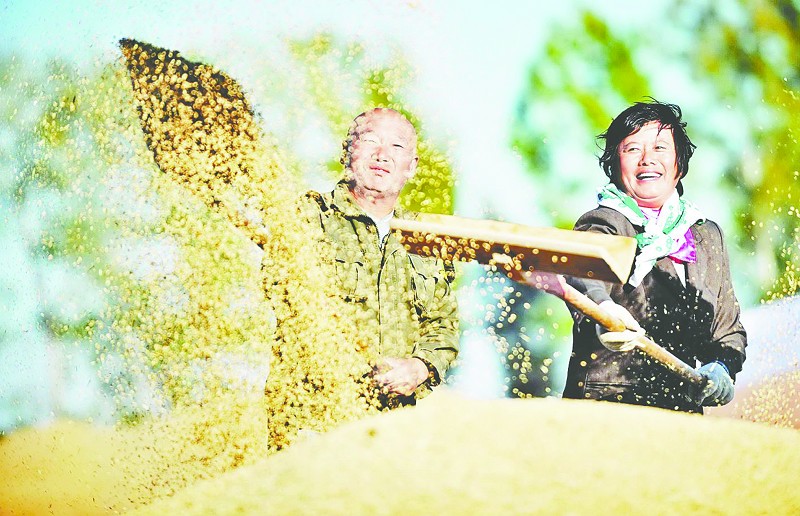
<point x="697" y="323"/>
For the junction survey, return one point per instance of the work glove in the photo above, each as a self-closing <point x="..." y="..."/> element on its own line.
<point x="719" y="385"/>
<point x="619" y="340"/>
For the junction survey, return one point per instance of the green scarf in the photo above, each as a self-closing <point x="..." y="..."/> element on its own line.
<point x="661" y="236"/>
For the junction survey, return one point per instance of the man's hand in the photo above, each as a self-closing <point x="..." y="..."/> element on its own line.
<point x="619" y="340"/>
<point x="719" y="386"/>
<point x="401" y="375"/>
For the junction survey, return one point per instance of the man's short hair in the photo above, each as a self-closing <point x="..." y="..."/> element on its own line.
<point x="634" y="118"/>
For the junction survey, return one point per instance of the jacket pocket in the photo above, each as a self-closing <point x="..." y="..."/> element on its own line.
<point x="350" y="276"/>
<point x="608" y="391"/>
<point x="423" y="282"/>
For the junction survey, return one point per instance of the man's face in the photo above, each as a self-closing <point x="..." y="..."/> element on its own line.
<point x="383" y="153"/>
<point x="648" y="168"/>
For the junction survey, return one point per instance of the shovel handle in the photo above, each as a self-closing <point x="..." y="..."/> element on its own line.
<point x="556" y="284"/>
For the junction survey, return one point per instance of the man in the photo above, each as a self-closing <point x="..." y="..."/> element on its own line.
<point x="403" y="304"/>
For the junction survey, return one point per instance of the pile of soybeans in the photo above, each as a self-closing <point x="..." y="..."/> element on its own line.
<point x="446" y="455"/>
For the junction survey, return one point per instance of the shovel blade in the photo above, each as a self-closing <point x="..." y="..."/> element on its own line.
<point x="525" y="248"/>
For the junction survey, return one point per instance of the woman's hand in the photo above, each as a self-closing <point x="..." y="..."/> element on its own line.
<point x="719" y="385"/>
<point x="619" y="340"/>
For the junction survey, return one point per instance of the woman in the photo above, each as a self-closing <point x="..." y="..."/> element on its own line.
<point x="680" y="289"/>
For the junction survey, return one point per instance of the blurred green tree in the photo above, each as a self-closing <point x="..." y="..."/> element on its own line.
<point x="342" y="81"/>
<point x="336" y="80"/>
<point x="747" y="50"/>
<point x="52" y="234"/>
<point x="732" y="66"/>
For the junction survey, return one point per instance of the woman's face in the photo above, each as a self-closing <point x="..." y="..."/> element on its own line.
<point x="648" y="169"/>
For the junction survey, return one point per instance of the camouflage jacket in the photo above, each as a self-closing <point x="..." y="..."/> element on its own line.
<point x="403" y="304"/>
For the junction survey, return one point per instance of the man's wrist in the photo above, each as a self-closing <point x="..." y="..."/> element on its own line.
<point x="430" y="374"/>
<point x="421" y="370"/>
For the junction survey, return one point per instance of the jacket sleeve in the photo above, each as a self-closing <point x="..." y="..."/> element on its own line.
<point x="599" y="220"/>
<point x="439" y="331"/>
<point x="728" y="336"/>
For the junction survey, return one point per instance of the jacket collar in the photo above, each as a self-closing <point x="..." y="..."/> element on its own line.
<point x="694" y="278"/>
<point x="344" y="203"/>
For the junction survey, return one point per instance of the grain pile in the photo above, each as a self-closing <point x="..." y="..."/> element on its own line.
<point x="517" y="457"/>
<point x="446" y="455"/>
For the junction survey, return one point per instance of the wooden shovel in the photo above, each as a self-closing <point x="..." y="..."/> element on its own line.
<point x="556" y="284"/>
<point x="538" y="257"/>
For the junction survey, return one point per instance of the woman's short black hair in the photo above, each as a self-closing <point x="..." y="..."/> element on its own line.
<point x="632" y="119"/>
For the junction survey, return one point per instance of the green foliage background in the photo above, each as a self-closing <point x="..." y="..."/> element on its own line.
<point x="732" y="66"/>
